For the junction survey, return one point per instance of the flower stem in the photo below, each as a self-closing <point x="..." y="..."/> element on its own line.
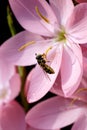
<point x="10" y="22"/>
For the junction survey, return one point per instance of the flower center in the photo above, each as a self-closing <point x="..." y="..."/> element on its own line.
<point x="61" y="36"/>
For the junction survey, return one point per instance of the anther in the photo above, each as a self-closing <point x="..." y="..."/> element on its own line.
<point x="40" y="15"/>
<point x="26" y="45"/>
<point x="77" y="92"/>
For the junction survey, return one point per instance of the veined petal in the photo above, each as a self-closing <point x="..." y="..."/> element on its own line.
<point x="26" y="56"/>
<point x="77" y="26"/>
<point x="62" y="9"/>
<point x="12" y="117"/>
<point x="81" y="123"/>
<point x="71" y="69"/>
<point x="30" y="19"/>
<point x="59" y="115"/>
<point x="40" y="82"/>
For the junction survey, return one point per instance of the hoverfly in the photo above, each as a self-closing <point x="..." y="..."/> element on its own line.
<point x="41" y="60"/>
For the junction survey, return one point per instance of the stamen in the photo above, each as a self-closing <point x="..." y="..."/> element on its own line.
<point x="45" y="54"/>
<point x="73" y="100"/>
<point x="48" y="50"/>
<point x="78" y="98"/>
<point x="26" y="45"/>
<point x="80" y="90"/>
<point x="40" y="15"/>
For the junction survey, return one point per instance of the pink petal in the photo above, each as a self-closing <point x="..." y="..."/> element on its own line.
<point x="71" y="69"/>
<point x="62" y="9"/>
<point x="81" y="124"/>
<point x="81" y="92"/>
<point x="39" y="82"/>
<point x="10" y="89"/>
<point x="27" y="56"/>
<point x="80" y="1"/>
<point x="56" y="89"/>
<point x="30" y="19"/>
<point x="6" y="71"/>
<point x="54" y="113"/>
<point x="84" y="50"/>
<point x="15" y="86"/>
<point x="78" y="25"/>
<point x="31" y="128"/>
<point x="12" y="117"/>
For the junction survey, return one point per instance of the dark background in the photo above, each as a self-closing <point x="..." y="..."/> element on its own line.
<point x="5" y="32"/>
<point x="4" y="29"/>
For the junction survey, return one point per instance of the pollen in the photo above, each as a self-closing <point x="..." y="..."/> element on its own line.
<point x="26" y="45"/>
<point x="41" y="15"/>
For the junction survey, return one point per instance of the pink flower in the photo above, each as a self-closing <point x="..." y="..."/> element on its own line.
<point x="12" y="115"/>
<point x="58" y="112"/>
<point x="63" y="31"/>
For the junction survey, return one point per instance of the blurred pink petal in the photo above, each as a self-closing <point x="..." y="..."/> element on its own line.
<point x="15" y="86"/>
<point x="60" y="114"/>
<point x="10" y="90"/>
<point x="31" y="128"/>
<point x="8" y="76"/>
<point x="7" y="70"/>
<point x="81" y="123"/>
<point x="12" y="117"/>
<point x="80" y="1"/>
